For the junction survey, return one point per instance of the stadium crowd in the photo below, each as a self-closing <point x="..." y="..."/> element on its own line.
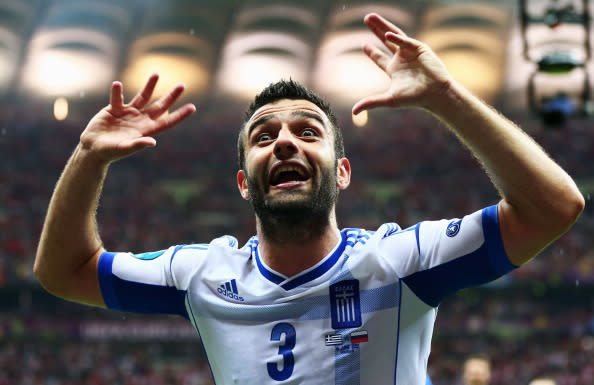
<point x="184" y="191"/>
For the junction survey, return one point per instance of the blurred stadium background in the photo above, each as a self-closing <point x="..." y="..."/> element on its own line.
<point x="529" y="58"/>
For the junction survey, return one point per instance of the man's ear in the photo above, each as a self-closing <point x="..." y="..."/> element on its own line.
<point x="242" y="185"/>
<point x="343" y="173"/>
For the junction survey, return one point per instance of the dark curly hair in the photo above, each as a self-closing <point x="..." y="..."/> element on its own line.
<point x="289" y="89"/>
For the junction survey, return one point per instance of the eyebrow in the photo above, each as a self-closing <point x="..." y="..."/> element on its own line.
<point x="257" y="122"/>
<point x="307" y="114"/>
<point x="298" y="113"/>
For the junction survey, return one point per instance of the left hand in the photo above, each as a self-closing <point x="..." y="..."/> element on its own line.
<point x="417" y="75"/>
<point x="121" y="129"/>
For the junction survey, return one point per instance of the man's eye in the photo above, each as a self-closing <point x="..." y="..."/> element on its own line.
<point x="308" y="132"/>
<point x="263" y="138"/>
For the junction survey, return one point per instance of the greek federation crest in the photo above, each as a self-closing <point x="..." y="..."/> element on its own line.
<point x="345" y="304"/>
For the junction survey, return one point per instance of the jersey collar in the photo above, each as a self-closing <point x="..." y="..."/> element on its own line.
<point x="305" y="276"/>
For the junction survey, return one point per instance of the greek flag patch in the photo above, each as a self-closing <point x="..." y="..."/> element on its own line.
<point x="333" y="339"/>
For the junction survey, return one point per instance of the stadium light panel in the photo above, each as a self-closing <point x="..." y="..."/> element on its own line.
<point x="268" y="43"/>
<point x="75" y="48"/>
<point x="470" y="40"/>
<point x="10" y="48"/>
<point x="15" y="18"/>
<point x="342" y="70"/>
<point x="68" y="62"/>
<point x="252" y="62"/>
<point x="177" y="57"/>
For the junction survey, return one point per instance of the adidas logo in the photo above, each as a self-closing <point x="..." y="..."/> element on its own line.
<point x="229" y="290"/>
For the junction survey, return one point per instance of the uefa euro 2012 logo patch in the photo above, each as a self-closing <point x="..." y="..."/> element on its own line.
<point x="149" y="256"/>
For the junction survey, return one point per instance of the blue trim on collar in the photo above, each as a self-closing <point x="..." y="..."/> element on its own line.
<point x="268" y="274"/>
<point x="320" y="270"/>
<point x="301" y="279"/>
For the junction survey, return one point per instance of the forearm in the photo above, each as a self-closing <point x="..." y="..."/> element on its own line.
<point x="538" y="193"/>
<point x="69" y="240"/>
<point x="539" y="200"/>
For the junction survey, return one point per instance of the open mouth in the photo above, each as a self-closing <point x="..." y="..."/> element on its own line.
<point x="288" y="173"/>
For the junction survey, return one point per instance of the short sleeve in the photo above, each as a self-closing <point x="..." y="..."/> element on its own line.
<point x="457" y="253"/>
<point x="153" y="282"/>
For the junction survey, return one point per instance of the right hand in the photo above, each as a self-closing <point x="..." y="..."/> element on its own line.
<point x="120" y="129"/>
<point x="417" y="76"/>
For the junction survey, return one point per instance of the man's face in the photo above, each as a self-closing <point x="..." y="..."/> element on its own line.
<point x="477" y="372"/>
<point x="290" y="162"/>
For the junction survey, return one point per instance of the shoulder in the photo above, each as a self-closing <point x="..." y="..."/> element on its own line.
<point x="225" y="245"/>
<point x="388" y="241"/>
<point x="183" y="255"/>
<point x="387" y="235"/>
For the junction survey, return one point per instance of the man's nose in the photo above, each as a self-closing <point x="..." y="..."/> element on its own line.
<point x="285" y="146"/>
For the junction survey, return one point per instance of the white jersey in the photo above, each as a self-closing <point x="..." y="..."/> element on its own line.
<point x="362" y="315"/>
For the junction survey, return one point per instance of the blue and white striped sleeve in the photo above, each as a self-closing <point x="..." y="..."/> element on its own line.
<point x="456" y="254"/>
<point x="146" y="283"/>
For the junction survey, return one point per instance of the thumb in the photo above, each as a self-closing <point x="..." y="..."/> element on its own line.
<point x="137" y="144"/>
<point x="370" y="102"/>
<point x="143" y="142"/>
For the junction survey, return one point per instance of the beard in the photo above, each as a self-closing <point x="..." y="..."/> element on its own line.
<point x="295" y="215"/>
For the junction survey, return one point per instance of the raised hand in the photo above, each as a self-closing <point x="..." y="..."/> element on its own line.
<point x="120" y="129"/>
<point x="417" y="75"/>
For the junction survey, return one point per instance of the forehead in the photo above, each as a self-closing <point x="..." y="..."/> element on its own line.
<point x="287" y="108"/>
<point x="476" y="363"/>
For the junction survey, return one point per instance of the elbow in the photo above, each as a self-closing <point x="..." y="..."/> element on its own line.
<point x="38" y="270"/>
<point x="72" y="281"/>
<point x="570" y="208"/>
<point x="43" y="277"/>
<point x="48" y="275"/>
<point x="559" y="212"/>
<point x="576" y="205"/>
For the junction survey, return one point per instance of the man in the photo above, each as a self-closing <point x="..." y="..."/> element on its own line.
<point x="476" y="370"/>
<point x="304" y="302"/>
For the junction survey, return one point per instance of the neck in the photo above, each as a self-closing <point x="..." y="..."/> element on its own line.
<point x="290" y="248"/>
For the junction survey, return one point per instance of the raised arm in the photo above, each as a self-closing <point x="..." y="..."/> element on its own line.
<point x="540" y="201"/>
<point x="70" y="245"/>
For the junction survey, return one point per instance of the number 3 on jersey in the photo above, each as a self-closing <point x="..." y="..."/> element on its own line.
<point x="285" y="350"/>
